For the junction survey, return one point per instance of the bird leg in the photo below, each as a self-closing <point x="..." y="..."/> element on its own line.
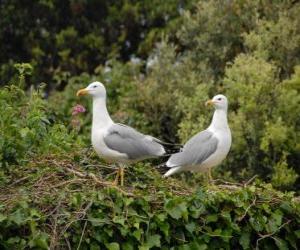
<point x="116" y="181"/>
<point x="210" y="178"/>
<point x="122" y="175"/>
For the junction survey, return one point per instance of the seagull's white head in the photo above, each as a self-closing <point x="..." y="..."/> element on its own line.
<point x="95" y="89"/>
<point x="219" y="102"/>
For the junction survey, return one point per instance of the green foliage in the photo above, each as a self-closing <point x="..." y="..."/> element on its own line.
<point x="105" y="218"/>
<point x="283" y="177"/>
<point x="53" y="192"/>
<point x="234" y="53"/>
<point x="73" y="37"/>
<point x="277" y="40"/>
<point x="25" y="127"/>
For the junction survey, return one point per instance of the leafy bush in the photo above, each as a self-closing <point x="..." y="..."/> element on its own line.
<point x="73" y="37"/>
<point x="26" y="128"/>
<point x="77" y="212"/>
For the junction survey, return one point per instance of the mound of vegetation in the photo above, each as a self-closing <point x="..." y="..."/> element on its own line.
<point x="67" y="203"/>
<point x="55" y="194"/>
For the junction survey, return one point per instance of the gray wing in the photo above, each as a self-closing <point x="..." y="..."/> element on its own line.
<point x="195" y="151"/>
<point x="134" y="144"/>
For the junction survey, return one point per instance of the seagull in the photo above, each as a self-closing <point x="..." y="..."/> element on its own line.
<point x="208" y="148"/>
<point x="118" y="143"/>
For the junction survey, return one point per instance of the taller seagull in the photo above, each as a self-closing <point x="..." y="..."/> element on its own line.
<point x="207" y="148"/>
<point x="116" y="142"/>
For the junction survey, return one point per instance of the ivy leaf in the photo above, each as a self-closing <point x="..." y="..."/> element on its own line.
<point x="297" y="233"/>
<point x="119" y="220"/>
<point x="193" y="246"/>
<point x="137" y="234"/>
<point x="211" y="218"/>
<point x="190" y="227"/>
<point x="195" y="212"/>
<point x="18" y="217"/>
<point x="98" y="222"/>
<point x="2" y="217"/>
<point x="164" y="227"/>
<point x="258" y="223"/>
<point x="40" y="241"/>
<point x="176" y="210"/>
<point x="153" y="240"/>
<point x="245" y="240"/>
<point x="281" y="244"/>
<point x="128" y="246"/>
<point x="113" y="246"/>
<point x="277" y="216"/>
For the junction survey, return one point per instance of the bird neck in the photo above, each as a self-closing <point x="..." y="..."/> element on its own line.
<point x="101" y="116"/>
<point x="219" y="120"/>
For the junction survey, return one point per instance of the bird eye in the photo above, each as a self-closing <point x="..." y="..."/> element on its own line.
<point x="219" y="99"/>
<point x="95" y="86"/>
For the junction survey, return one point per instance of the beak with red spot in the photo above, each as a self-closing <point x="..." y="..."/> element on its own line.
<point x="82" y="92"/>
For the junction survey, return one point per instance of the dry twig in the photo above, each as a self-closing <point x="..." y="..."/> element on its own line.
<point x="270" y="234"/>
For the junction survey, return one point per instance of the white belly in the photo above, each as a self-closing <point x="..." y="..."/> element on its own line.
<point x="103" y="151"/>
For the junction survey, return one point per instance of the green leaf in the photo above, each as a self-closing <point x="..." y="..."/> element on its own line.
<point x="113" y="246"/>
<point x="164" y="227"/>
<point x="137" y="234"/>
<point x="195" y="212"/>
<point x="40" y="241"/>
<point x="277" y="216"/>
<point x="297" y="233"/>
<point x="258" y="222"/>
<point x="176" y="210"/>
<point x="24" y="132"/>
<point x="161" y="217"/>
<point x="211" y="218"/>
<point x="119" y="220"/>
<point x="153" y="240"/>
<point x="98" y="222"/>
<point x="190" y="227"/>
<point x="144" y="247"/>
<point x="2" y="217"/>
<point x="274" y="222"/>
<point x="281" y="244"/>
<point x="193" y="246"/>
<point x="18" y="217"/>
<point x="245" y="240"/>
<point x="128" y="246"/>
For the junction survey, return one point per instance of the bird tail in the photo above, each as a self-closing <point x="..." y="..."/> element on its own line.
<point x="167" y="171"/>
<point x="169" y="148"/>
<point x="162" y="168"/>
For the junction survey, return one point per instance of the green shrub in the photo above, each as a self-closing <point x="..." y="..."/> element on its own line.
<point x="74" y="37"/>
<point x="26" y="128"/>
<point x="78" y="213"/>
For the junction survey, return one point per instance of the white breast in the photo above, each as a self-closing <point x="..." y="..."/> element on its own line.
<point x="224" y="144"/>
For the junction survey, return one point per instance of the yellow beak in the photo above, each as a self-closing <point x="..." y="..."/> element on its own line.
<point x="82" y="92"/>
<point x="209" y="102"/>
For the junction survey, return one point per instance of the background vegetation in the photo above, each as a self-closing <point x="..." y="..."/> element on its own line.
<point x="160" y="61"/>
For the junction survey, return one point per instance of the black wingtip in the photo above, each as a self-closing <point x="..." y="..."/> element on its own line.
<point x="170" y="148"/>
<point x="162" y="168"/>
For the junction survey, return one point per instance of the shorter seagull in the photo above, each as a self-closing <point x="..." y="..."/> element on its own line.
<point x="116" y="142"/>
<point x="207" y="148"/>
